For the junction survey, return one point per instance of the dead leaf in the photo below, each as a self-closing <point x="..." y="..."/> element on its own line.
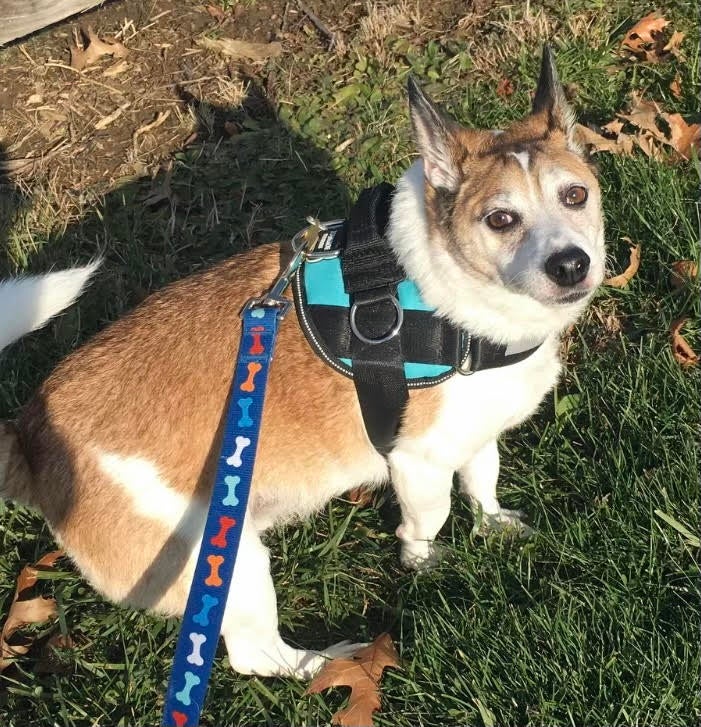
<point x="505" y="88"/>
<point x="683" y="271"/>
<point x="597" y="142"/>
<point x="620" y="281"/>
<point x="674" y="42"/>
<point x="683" y="354"/>
<point x="646" y="40"/>
<point x="362" y="673"/>
<point x="613" y="127"/>
<point x="683" y="137"/>
<point x="676" y="86"/>
<point x="644" y="115"/>
<point x="26" y="610"/>
<point x="216" y="12"/>
<point x="116" y="69"/>
<point x="361" y="496"/>
<point x="94" y="50"/>
<point x="241" y="48"/>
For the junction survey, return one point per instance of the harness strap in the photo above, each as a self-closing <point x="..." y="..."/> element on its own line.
<point x="199" y="632"/>
<point x="371" y="274"/>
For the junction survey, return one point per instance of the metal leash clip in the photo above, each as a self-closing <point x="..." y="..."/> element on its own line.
<point x="303" y="243"/>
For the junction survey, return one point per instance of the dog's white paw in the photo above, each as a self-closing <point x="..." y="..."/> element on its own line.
<point x="504" y="520"/>
<point x="419" y="555"/>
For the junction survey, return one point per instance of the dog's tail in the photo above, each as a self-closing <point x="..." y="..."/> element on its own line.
<point x="15" y="476"/>
<point x="28" y="303"/>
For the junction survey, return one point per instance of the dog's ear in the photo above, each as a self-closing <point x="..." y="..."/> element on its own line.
<point x="436" y="139"/>
<point x="550" y="99"/>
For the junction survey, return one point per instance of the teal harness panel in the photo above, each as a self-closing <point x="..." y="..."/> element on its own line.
<point x="322" y="285"/>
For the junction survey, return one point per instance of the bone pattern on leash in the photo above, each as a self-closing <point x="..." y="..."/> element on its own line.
<point x="231" y="481"/>
<point x="249" y="384"/>
<point x="183" y="696"/>
<point x="257" y="347"/>
<point x="194" y="657"/>
<point x="235" y="459"/>
<point x="208" y="603"/>
<point x="214" y="579"/>
<point x="225" y="524"/>
<point x="244" y="404"/>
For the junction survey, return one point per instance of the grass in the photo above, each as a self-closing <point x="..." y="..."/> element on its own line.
<point x="592" y="621"/>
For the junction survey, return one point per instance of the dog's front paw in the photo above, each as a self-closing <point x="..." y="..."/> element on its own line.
<point x="419" y="555"/>
<point x="505" y="520"/>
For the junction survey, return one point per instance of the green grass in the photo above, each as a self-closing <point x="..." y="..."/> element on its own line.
<point x="592" y="621"/>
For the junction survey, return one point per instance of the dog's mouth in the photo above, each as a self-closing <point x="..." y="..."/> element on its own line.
<point x="572" y="297"/>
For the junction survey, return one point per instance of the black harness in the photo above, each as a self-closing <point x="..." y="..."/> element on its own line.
<point x="373" y="325"/>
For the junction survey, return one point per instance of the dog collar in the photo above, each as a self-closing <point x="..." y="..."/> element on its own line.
<point x="367" y="321"/>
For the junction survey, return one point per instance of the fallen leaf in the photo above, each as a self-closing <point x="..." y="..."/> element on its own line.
<point x="683" y="137"/>
<point x="674" y="42"/>
<point x="644" y="115"/>
<point x="505" y="88"/>
<point x="361" y="496"/>
<point x="241" y="48"/>
<point x="683" y="354"/>
<point x="26" y="610"/>
<point x="216" y="12"/>
<point x="620" y="281"/>
<point x="683" y="271"/>
<point x="94" y="50"/>
<point x="362" y="673"/>
<point x="613" y="127"/>
<point x="116" y="69"/>
<point x="676" y="86"/>
<point x="647" y="40"/>
<point x="645" y="31"/>
<point x="597" y="142"/>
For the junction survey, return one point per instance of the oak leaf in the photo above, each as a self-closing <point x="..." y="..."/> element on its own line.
<point x="645" y="31"/>
<point x="26" y="610"/>
<point x="362" y="673"/>
<point x="683" y="354"/>
<point x="85" y="55"/>
<point x="620" y="281"/>
<point x="683" y="137"/>
<point x="647" y="40"/>
<point x="682" y="272"/>
<point x="622" y="144"/>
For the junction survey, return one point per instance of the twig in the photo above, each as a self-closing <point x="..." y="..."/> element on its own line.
<point x="55" y="64"/>
<point x="320" y="25"/>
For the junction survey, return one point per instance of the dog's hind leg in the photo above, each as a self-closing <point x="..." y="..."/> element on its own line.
<point x="250" y="626"/>
<point x="478" y="482"/>
<point x="423" y="490"/>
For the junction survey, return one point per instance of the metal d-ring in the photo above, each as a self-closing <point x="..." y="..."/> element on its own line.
<point x="392" y="331"/>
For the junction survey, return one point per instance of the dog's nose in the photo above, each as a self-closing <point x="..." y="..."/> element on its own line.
<point x="568" y="267"/>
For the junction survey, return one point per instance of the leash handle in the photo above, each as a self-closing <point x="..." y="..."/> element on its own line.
<point x="199" y="632"/>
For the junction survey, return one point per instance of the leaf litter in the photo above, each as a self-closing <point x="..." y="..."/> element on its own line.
<point x="361" y="672"/>
<point x="683" y="354"/>
<point x="620" y="281"/>
<point x="648" y="40"/>
<point x="26" y="610"/>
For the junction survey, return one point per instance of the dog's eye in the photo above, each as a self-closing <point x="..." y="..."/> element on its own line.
<point x="575" y="196"/>
<point x="500" y="220"/>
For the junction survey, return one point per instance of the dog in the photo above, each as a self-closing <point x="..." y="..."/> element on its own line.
<point x="502" y="232"/>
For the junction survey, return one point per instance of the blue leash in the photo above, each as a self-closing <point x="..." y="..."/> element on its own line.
<point x="201" y="625"/>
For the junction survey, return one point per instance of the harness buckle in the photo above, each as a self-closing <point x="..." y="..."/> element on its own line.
<point x="465" y="366"/>
<point x="393" y="331"/>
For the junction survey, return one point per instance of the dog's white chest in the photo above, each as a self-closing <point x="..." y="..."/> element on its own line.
<point x="477" y="408"/>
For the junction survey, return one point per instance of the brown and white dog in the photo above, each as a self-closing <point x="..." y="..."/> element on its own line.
<point x="502" y="233"/>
